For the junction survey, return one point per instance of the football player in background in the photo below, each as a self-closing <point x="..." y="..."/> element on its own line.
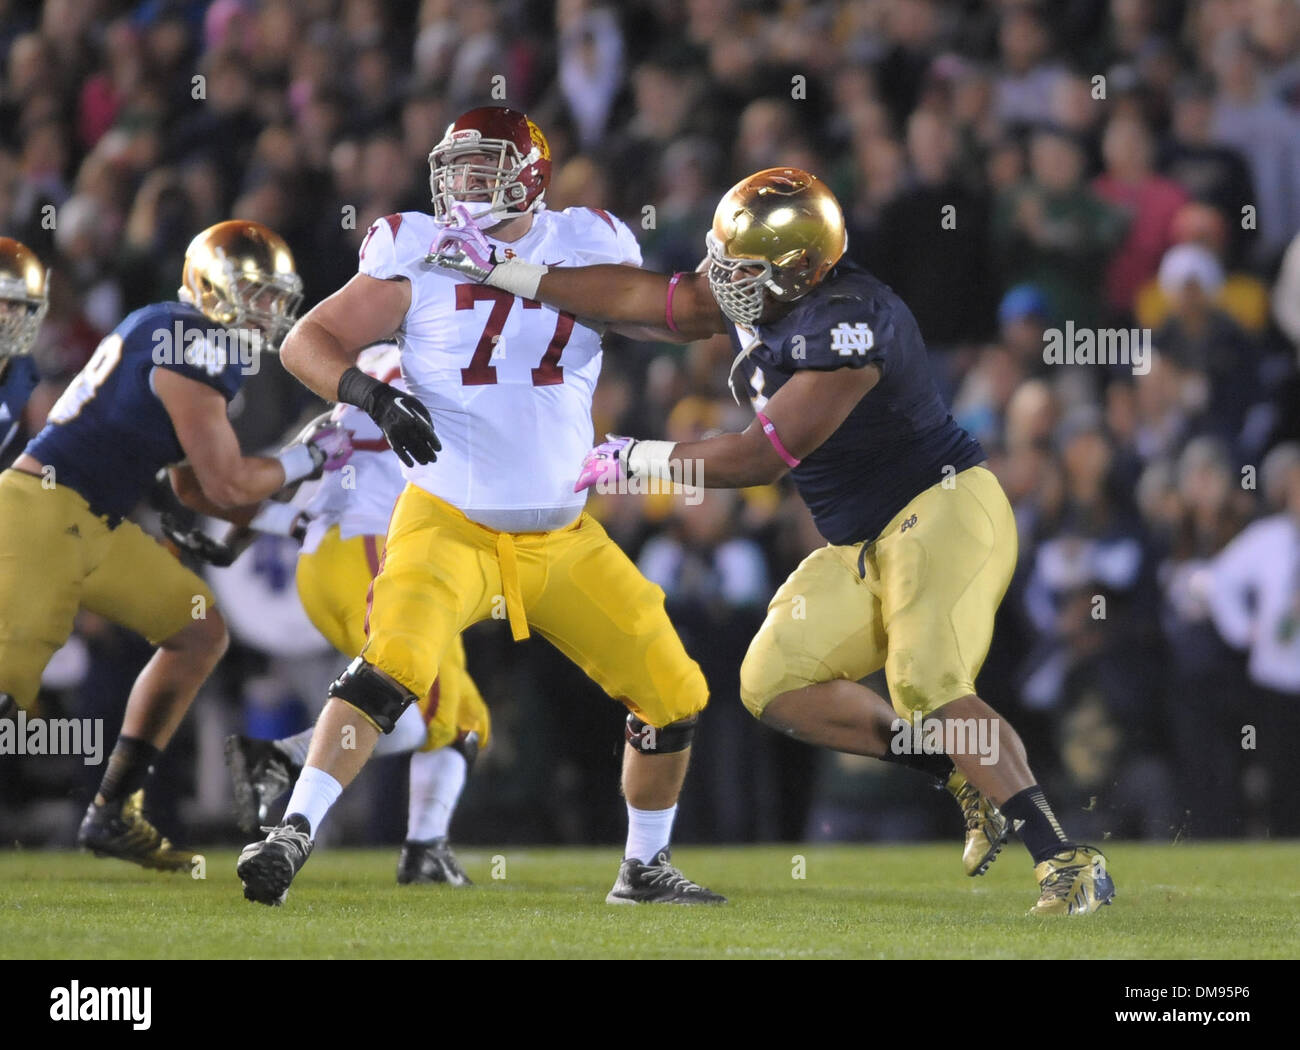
<point x="494" y="525"/>
<point x="922" y="541"/>
<point x="341" y="526"/>
<point x="154" y="393"/>
<point x="24" y="299"/>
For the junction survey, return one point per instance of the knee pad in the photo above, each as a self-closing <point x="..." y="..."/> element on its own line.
<point x="8" y="706"/>
<point x="378" y="698"/>
<point x="676" y="736"/>
<point x="467" y="744"/>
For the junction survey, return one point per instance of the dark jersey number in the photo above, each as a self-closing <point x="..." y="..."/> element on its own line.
<point x="481" y="372"/>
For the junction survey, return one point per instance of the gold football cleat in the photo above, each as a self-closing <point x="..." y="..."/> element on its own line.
<point x="986" y="828"/>
<point x="124" y="832"/>
<point x="1074" y="882"/>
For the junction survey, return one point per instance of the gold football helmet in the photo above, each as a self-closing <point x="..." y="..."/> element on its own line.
<point x="24" y="297"/>
<point x="778" y="231"/>
<point x="241" y="274"/>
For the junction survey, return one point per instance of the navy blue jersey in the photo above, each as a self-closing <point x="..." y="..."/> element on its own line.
<point x="16" y="385"/>
<point x="897" y="441"/>
<point x="109" y="434"/>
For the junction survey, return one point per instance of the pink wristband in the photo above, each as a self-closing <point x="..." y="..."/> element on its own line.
<point x="772" y="436"/>
<point x="668" y="306"/>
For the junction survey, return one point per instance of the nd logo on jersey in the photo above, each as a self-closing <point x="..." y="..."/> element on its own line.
<point x="847" y="339"/>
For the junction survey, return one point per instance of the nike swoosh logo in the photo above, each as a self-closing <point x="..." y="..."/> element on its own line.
<point x="558" y="262"/>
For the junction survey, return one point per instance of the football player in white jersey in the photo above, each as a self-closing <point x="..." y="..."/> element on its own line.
<point x="341" y="522"/>
<point x="493" y="523"/>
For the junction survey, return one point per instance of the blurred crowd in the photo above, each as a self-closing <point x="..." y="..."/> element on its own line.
<point x="1008" y="167"/>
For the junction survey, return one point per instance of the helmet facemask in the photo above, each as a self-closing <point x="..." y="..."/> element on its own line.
<point x="490" y="190"/>
<point x="238" y="299"/>
<point x="21" y="314"/>
<point x="740" y="298"/>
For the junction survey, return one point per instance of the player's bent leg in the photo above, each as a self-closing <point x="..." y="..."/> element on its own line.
<point x="177" y="613"/>
<point x="434" y="580"/>
<point x="598" y="610"/>
<point x="47" y="539"/>
<point x="943" y="565"/>
<point x="363" y="702"/>
<point x="655" y="760"/>
<point x="114" y="824"/>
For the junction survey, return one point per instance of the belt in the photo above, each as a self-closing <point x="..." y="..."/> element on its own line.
<point x="510" y="584"/>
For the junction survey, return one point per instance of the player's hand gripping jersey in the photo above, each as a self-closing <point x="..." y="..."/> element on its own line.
<point x="508" y="380"/>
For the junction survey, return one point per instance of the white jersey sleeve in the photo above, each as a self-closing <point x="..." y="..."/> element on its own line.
<point x="393" y="249"/>
<point x="599" y="237"/>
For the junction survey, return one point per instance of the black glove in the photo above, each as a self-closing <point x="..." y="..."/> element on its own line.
<point x="405" y="422"/>
<point x="198" y="543"/>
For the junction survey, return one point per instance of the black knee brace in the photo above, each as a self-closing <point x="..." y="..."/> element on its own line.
<point x="676" y="736"/>
<point x="8" y="706"/>
<point x="468" y="745"/>
<point x="378" y="698"/>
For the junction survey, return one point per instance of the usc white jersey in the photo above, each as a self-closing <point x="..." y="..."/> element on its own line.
<point x="359" y="498"/>
<point x="508" y="381"/>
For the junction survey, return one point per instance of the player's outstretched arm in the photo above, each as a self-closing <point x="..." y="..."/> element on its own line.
<point x="796" y="420"/>
<point x="327" y="339"/>
<point x="608" y="292"/>
<point x="322" y="349"/>
<point x="226" y="477"/>
<point x="627" y="295"/>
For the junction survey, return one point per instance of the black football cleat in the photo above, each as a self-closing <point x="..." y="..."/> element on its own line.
<point x="122" y="831"/>
<point x="266" y="868"/>
<point x="431" y="861"/>
<point x="658" y="883"/>
<point x="261" y="773"/>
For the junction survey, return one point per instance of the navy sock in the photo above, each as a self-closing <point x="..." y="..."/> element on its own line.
<point x="129" y="767"/>
<point x="938" y="766"/>
<point x="1035" y="823"/>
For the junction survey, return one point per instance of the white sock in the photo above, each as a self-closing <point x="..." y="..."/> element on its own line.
<point x="408" y="734"/>
<point x="437" y="778"/>
<point x="313" y="795"/>
<point x="648" y="832"/>
<point x="296" y="747"/>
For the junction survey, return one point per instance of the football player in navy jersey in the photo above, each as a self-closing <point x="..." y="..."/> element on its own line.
<point x="24" y="298"/>
<point x="154" y="394"/>
<point x="922" y="540"/>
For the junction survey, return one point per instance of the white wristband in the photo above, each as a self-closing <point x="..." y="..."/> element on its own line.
<point x="276" y="518"/>
<point x="517" y="277"/>
<point x="650" y="459"/>
<point x="298" y="463"/>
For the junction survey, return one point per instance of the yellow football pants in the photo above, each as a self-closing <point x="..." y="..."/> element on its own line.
<point x="334" y="587"/>
<point x="442" y="572"/>
<point x="919" y="601"/>
<point x="57" y="557"/>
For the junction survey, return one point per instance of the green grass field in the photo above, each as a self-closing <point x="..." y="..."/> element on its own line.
<point x="1203" y="901"/>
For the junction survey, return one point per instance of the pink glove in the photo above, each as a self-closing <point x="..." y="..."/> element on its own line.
<point x="463" y="247"/>
<point x="604" y="463"/>
<point x="335" y="443"/>
<point x="330" y="445"/>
